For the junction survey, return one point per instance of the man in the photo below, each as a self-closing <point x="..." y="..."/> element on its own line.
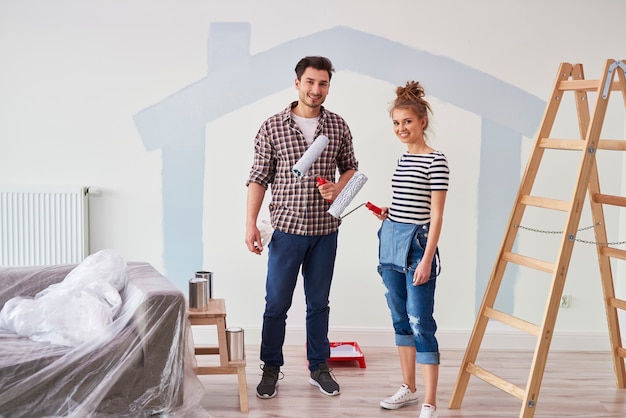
<point x="305" y="235"/>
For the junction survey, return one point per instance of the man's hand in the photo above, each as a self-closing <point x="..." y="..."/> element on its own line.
<point x="256" y="192"/>
<point x="328" y="190"/>
<point x="253" y="240"/>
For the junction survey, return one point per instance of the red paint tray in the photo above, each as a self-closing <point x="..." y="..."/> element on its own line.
<point x="347" y="351"/>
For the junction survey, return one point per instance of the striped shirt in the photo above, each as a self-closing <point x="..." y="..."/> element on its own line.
<point x="416" y="176"/>
<point x="296" y="206"/>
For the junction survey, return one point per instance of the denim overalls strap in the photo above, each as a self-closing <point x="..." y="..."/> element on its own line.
<point x="421" y="235"/>
<point x="394" y="243"/>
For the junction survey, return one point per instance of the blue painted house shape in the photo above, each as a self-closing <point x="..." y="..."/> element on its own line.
<point x="176" y="125"/>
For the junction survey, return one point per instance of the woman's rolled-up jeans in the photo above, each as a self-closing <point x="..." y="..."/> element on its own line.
<point x="411" y="306"/>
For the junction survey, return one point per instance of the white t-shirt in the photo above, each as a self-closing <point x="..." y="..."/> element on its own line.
<point x="307" y="126"/>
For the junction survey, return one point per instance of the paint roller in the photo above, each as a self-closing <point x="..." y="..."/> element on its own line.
<point x="347" y="194"/>
<point x="310" y="156"/>
<point x="369" y="205"/>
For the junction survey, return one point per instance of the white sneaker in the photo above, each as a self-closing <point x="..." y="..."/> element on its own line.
<point x="402" y="397"/>
<point x="428" y="411"/>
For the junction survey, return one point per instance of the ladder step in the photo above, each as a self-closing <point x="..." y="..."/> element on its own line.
<point x="513" y="321"/>
<point x="528" y="262"/>
<point x="606" y="199"/>
<point x="617" y="303"/>
<point x="621" y="352"/>
<point x="496" y="381"/>
<point x="566" y="144"/>
<point x="546" y="203"/>
<point x="585" y="85"/>
<point x="578" y="85"/>
<point x="612" y="144"/>
<point x="613" y="252"/>
<point x="579" y="144"/>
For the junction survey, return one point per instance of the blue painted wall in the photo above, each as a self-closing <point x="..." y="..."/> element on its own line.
<point x="176" y="125"/>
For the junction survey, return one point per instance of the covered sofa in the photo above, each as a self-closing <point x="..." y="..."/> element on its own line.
<point x="139" y="366"/>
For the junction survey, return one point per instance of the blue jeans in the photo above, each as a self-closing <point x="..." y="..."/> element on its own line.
<point x="412" y="306"/>
<point x="316" y="256"/>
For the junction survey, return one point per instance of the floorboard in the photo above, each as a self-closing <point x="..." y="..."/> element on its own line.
<point x="575" y="384"/>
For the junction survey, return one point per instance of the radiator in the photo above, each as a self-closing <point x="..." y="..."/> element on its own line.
<point x="41" y="227"/>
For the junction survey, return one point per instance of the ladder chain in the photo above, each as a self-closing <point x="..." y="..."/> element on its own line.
<point x="544" y="231"/>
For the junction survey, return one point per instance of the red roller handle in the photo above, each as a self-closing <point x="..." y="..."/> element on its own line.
<point x="374" y="208"/>
<point x="321" y="180"/>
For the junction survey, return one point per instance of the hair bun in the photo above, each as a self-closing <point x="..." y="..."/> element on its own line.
<point x="411" y="91"/>
<point x="411" y="96"/>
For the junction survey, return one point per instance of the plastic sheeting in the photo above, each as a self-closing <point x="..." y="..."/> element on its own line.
<point x="75" y="310"/>
<point x="139" y="363"/>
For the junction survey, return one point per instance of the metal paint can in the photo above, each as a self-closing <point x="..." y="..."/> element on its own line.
<point x="198" y="294"/>
<point x="235" y="344"/>
<point x="209" y="277"/>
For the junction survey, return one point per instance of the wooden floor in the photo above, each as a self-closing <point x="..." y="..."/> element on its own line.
<point x="574" y="385"/>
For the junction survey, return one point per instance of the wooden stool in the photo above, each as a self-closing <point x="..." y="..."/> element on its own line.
<point x="216" y="315"/>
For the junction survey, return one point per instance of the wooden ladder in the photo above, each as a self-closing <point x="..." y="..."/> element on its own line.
<point x="570" y="79"/>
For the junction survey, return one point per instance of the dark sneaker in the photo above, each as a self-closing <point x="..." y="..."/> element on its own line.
<point x="269" y="382"/>
<point x="325" y="381"/>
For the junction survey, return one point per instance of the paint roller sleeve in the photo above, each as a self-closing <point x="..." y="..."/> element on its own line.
<point x="310" y="156"/>
<point x="348" y="193"/>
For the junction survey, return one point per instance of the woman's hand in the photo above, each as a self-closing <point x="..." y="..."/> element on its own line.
<point x="382" y="215"/>
<point x="422" y="273"/>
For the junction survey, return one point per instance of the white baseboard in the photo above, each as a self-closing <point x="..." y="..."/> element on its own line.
<point x="448" y="340"/>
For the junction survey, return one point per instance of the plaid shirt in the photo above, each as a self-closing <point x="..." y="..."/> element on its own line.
<point x="297" y="206"/>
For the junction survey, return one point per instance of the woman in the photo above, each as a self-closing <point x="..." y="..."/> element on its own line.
<point x="408" y="255"/>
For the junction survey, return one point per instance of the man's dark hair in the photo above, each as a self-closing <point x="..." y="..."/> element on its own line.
<point x="317" y="62"/>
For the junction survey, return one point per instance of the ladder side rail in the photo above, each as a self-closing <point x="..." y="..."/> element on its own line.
<point x="582" y="104"/>
<point x="597" y="200"/>
<point x="608" y="284"/>
<point x="495" y="280"/>
<point x="587" y="164"/>
<point x="476" y="337"/>
<point x="622" y="81"/>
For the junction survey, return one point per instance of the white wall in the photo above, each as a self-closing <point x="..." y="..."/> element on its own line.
<point x="74" y="76"/>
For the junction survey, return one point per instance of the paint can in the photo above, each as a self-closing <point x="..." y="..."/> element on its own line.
<point x="209" y="278"/>
<point x="198" y="294"/>
<point x="235" y="344"/>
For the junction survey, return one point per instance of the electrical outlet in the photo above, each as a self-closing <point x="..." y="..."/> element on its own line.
<point x="566" y="300"/>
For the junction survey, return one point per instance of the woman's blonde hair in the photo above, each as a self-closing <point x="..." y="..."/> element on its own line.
<point x="411" y="96"/>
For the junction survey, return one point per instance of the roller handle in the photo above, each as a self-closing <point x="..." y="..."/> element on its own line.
<point x="321" y="180"/>
<point x="374" y="208"/>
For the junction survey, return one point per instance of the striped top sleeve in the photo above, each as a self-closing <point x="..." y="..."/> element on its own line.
<point x="416" y="176"/>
